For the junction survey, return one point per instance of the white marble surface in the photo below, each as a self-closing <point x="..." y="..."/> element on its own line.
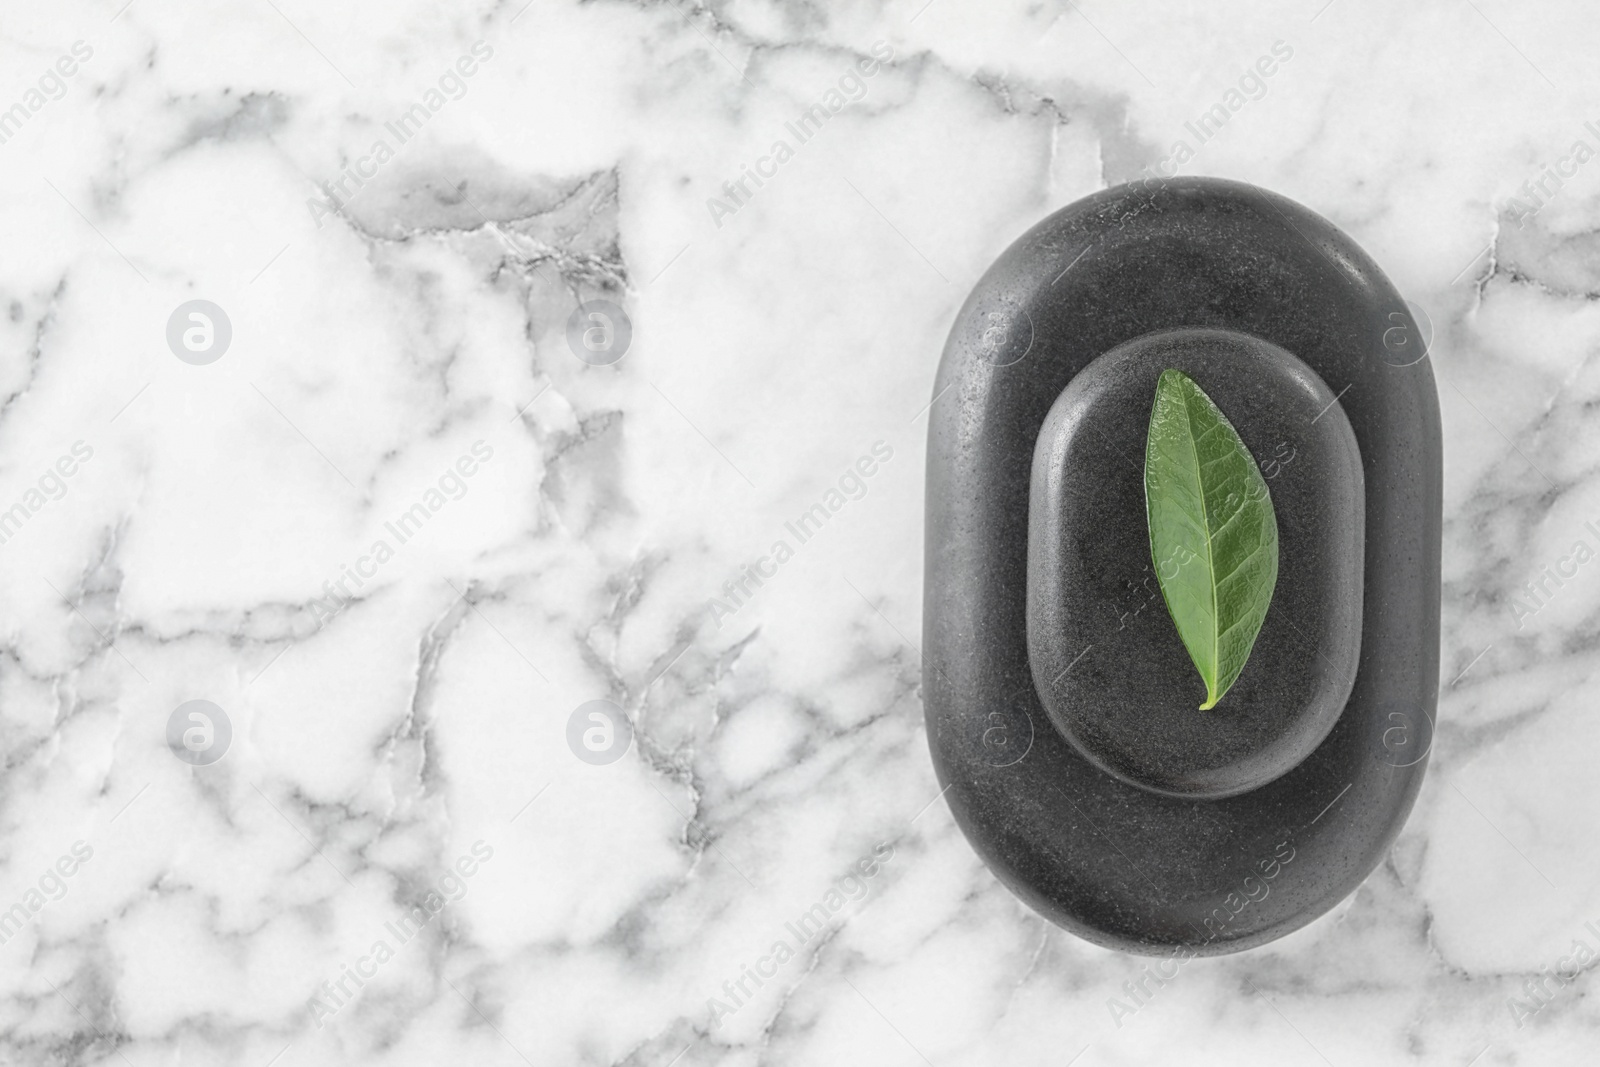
<point x="384" y="731"/>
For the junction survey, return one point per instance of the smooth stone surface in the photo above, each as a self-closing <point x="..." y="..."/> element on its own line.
<point x="1116" y="864"/>
<point x="1109" y="666"/>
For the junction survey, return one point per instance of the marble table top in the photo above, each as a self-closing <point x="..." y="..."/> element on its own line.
<point x="622" y="759"/>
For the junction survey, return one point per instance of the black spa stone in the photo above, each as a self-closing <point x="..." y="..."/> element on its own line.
<point x="1118" y="863"/>
<point x="1108" y="664"/>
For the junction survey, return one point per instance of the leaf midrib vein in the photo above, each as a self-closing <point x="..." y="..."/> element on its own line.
<point x="1205" y="527"/>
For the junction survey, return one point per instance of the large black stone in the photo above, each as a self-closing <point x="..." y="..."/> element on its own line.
<point x="1107" y="661"/>
<point x="1115" y="863"/>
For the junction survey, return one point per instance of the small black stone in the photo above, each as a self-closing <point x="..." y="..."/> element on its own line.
<point x="1108" y="663"/>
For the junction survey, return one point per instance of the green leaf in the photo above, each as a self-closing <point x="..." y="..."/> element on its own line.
<point x="1213" y="534"/>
